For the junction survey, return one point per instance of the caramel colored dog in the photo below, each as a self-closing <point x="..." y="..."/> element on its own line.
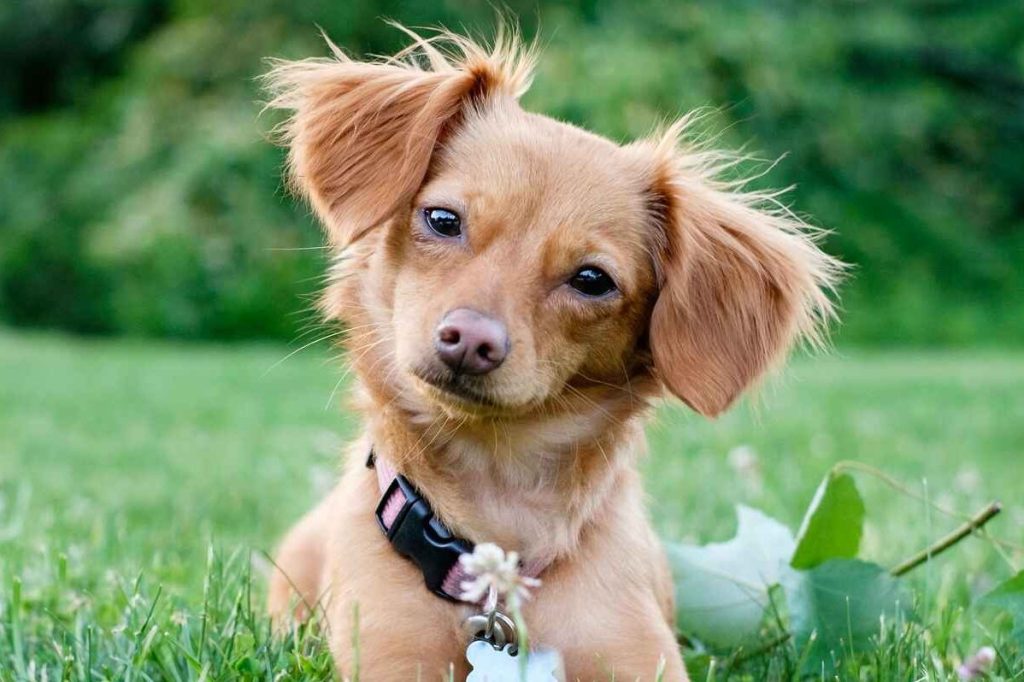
<point x="516" y="291"/>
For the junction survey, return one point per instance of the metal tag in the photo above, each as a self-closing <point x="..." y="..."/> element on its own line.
<point x="499" y="665"/>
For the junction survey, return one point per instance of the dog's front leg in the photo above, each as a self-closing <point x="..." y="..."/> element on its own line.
<point x="383" y="622"/>
<point x="602" y="646"/>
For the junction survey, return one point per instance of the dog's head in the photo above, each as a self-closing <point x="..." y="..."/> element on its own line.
<point x="490" y="260"/>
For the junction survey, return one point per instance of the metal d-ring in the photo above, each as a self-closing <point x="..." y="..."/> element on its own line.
<point x="502" y="629"/>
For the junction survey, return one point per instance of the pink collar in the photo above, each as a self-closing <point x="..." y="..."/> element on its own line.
<point x="408" y="522"/>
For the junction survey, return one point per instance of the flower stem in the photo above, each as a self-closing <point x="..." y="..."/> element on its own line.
<point x="972" y="524"/>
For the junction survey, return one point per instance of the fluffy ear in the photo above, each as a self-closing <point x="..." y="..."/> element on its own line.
<point x="361" y="134"/>
<point x="742" y="279"/>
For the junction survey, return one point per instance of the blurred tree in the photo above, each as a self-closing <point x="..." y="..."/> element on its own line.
<point x="54" y="51"/>
<point x="139" y="193"/>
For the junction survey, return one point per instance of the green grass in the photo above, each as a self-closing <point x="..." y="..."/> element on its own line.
<point x="138" y="480"/>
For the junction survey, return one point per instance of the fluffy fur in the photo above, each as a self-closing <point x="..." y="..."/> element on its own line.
<point x="539" y="456"/>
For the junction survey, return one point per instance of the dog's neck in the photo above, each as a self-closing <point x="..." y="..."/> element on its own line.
<point x="530" y="484"/>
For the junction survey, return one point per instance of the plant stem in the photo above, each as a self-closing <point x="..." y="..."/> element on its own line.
<point x="973" y="524"/>
<point x="851" y="465"/>
<point x="742" y="656"/>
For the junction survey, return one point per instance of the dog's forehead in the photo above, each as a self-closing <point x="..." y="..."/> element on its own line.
<point x="525" y="161"/>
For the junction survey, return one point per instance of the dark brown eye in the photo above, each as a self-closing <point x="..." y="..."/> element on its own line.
<point x="443" y="222"/>
<point x="591" y="281"/>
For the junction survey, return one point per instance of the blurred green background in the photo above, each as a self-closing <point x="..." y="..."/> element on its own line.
<point x="139" y="194"/>
<point x="140" y="197"/>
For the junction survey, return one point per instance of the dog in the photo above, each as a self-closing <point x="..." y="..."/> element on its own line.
<point x="516" y="292"/>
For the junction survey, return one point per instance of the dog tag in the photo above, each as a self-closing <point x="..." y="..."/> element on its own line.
<point x="499" y="665"/>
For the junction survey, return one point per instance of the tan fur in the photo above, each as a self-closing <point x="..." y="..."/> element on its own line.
<point x="742" y="279"/>
<point x="712" y="288"/>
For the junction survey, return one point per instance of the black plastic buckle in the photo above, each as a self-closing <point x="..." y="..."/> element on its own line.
<point x="417" y="535"/>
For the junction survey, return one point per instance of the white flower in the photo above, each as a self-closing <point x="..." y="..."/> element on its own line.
<point x="977" y="665"/>
<point x="986" y="656"/>
<point x="967" y="480"/>
<point x="77" y="602"/>
<point x="490" y="567"/>
<point x="745" y="463"/>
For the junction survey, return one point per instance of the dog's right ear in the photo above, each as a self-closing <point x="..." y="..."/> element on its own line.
<point x="361" y="134"/>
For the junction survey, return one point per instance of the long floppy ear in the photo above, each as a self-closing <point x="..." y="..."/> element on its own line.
<point x="742" y="279"/>
<point x="361" y="134"/>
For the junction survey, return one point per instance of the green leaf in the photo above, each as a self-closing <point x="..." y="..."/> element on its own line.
<point x="722" y="588"/>
<point x="832" y="527"/>
<point x="699" y="666"/>
<point x="1008" y="597"/>
<point x="841" y="602"/>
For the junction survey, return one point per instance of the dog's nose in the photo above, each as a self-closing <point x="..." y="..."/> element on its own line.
<point x="470" y="342"/>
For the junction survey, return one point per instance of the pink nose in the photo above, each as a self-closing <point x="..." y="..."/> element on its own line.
<point x="470" y="342"/>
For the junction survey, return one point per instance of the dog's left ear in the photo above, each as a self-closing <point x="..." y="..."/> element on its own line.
<point x="741" y="279"/>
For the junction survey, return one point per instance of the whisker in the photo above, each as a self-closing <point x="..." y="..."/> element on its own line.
<point x="594" y="404"/>
<point x="405" y="457"/>
<point x="300" y="349"/>
<point x="366" y="348"/>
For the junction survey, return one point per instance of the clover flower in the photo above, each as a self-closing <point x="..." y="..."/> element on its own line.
<point x="495" y="572"/>
<point x="977" y="665"/>
<point x="745" y="463"/>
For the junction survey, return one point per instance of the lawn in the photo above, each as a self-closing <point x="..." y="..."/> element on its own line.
<point x="141" y="483"/>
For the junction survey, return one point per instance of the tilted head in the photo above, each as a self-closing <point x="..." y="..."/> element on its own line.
<point x="489" y="261"/>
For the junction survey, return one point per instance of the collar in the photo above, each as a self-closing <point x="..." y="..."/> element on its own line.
<point x="408" y="522"/>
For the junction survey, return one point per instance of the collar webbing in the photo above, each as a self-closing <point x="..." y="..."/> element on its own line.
<point x="410" y="526"/>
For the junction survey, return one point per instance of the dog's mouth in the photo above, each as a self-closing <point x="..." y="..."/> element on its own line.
<point x="463" y="394"/>
<point x="462" y="388"/>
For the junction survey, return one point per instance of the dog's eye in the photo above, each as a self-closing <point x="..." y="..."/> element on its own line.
<point x="442" y="221"/>
<point x="592" y="281"/>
